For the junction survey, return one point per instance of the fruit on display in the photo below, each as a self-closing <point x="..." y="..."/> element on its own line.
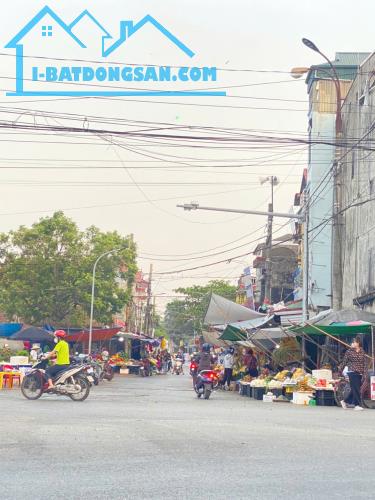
<point x="275" y="384"/>
<point x="298" y="374"/>
<point x="281" y="375"/>
<point x="258" y="382"/>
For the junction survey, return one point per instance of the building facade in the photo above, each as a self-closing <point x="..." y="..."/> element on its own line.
<point x="284" y="255"/>
<point x="319" y="191"/>
<point x="356" y="176"/>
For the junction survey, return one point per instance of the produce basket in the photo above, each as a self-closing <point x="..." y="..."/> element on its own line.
<point x="244" y="389"/>
<point x="249" y="391"/>
<point x="258" y="393"/>
<point x="325" y="398"/>
<point x="276" y="392"/>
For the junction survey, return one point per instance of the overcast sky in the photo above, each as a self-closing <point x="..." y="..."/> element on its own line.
<point x="261" y="37"/>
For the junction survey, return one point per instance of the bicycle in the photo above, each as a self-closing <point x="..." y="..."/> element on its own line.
<point x="342" y="391"/>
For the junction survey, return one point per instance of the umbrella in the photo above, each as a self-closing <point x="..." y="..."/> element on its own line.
<point x="33" y="334"/>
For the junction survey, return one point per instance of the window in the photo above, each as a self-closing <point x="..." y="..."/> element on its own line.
<point x="353" y="165"/>
<point x="46" y="30"/>
<point x="371" y="268"/>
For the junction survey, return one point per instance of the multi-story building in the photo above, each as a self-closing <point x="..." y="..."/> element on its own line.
<point x="283" y="266"/>
<point x="356" y="177"/>
<point x="321" y="128"/>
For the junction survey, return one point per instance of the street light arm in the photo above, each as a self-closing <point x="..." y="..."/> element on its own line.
<point x="195" y="206"/>
<point x="334" y="78"/>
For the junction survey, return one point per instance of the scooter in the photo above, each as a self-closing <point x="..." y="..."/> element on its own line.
<point x="206" y="382"/>
<point x="71" y="382"/>
<point x="178" y="367"/>
<point x="193" y="369"/>
<point x="89" y="368"/>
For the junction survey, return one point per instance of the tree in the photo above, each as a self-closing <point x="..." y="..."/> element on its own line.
<point x="184" y="317"/>
<point x="46" y="272"/>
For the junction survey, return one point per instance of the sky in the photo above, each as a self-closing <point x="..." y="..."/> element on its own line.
<point x="132" y="184"/>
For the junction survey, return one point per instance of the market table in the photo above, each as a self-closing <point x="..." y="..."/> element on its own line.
<point x="132" y="369"/>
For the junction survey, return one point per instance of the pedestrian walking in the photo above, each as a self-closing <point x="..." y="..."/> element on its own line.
<point x="357" y="366"/>
<point x="228" y="368"/>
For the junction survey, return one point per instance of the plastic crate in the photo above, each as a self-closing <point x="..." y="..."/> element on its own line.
<point x="258" y="393"/>
<point x="325" y="398"/>
<point x="276" y="392"/>
<point x="243" y="389"/>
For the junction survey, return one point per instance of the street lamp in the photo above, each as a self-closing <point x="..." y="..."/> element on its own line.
<point x="311" y="45"/>
<point x="334" y="77"/>
<point x="114" y="250"/>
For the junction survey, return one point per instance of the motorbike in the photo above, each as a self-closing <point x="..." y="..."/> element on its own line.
<point x="71" y="382"/>
<point x="206" y="382"/>
<point x="107" y="372"/>
<point x="146" y="368"/>
<point x="178" y="367"/>
<point x="89" y="365"/>
<point x="193" y="368"/>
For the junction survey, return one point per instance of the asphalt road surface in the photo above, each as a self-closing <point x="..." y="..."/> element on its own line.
<point x="151" y="438"/>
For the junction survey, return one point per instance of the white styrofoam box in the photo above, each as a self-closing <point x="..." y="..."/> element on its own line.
<point x="301" y="398"/>
<point x="267" y="398"/>
<point x="323" y="374"/>
<point x="124" y="371"/>
<point x="19" y="360"/>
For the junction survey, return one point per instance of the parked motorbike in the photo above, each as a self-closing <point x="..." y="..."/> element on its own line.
<point x="206" y="382"/>
<point x="71" y="382"/>
<point x="89" y="365"/>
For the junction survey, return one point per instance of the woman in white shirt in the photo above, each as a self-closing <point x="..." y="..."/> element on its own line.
<point x="228" y="368"/>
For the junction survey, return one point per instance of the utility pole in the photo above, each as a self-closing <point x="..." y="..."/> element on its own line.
<point x="148" y="312"/>
<point x="268" y="268"/>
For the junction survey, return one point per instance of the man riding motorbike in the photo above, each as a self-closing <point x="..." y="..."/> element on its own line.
<point x="204" y="360"/>
<point x="61" y="354"/>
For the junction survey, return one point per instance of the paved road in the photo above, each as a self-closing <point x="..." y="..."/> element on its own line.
<point x="151" y="438"/>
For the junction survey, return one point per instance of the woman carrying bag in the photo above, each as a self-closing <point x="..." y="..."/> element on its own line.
<point x="357" y="367"/>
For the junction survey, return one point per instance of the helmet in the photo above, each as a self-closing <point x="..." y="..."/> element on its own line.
<point x="206" y="348"/>
<point x="231" y="350"/>
<point x="60" y="334"/>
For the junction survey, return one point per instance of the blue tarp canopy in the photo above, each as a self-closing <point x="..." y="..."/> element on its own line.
<point x="8" y="329"/>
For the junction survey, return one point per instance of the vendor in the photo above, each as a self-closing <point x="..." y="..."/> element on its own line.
<point x="251" y="363"/>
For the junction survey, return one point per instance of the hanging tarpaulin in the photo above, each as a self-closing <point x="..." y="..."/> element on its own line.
<point x="212" y="337"/>
<point x="336" y="330"/>
<point x="233" y="334"/>
<point x="222" y="311"/>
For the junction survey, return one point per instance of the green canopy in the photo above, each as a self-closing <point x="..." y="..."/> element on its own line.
<point x="233" y="334"/>
<point x="336" y="330"/>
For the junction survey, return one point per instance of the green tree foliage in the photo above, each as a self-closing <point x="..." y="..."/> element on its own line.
<point x="46" y="272"/>
<point x="185" y="316"/>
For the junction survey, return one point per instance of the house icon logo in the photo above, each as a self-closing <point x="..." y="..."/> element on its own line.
<point x="51" y="60"/>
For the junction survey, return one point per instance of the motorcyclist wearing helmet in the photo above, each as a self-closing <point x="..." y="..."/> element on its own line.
<point x="61" y="354"/>
<point x="205" y="358"/>
<point x="180" y="356"/>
